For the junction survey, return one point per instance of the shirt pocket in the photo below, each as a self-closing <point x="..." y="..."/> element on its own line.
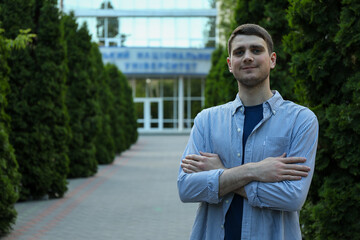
<point x="275" y="146"/>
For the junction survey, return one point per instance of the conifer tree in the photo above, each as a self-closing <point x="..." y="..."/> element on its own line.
<point x="9" y="175"/>
<point x="39" y="126"/>
<point x="324" y="44"/>
<point x="105" y="147"/>
<point x="130" y="126"/>
<point x="117" y="113"/>
<point x="81" y="100"/>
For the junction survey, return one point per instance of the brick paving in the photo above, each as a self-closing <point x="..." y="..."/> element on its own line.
<point x="134" y="198"/>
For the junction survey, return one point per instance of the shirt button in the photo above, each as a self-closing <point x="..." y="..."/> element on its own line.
<point x="222" y="226"/>
<point x="239" y="130"/>
<point x="227" y="201"/>
<point x="239" y="154"/>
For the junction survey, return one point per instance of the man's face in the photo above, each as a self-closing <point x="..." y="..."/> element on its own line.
<point x="250" y="61"/>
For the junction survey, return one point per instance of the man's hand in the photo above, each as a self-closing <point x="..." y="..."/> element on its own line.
<point x="204" y="162"/>
<point x="277" y="169"/>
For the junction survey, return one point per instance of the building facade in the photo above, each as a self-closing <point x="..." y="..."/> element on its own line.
<point x="164" y="48"/>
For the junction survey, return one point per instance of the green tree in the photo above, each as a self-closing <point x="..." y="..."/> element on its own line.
<point x="9" y="175"/>
<point x="105" y="147"/>
<point x="324" y="44"/>
<point x="131" y="133"/>
<point x="39" y="126"/>
<point x="122" y="114"/>
<point x="81" y="99"/>
<point x="221" y="85"/>
<point x="117" y="113"/>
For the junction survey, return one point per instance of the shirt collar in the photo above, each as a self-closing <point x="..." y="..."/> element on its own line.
<point x="273" y="103"/>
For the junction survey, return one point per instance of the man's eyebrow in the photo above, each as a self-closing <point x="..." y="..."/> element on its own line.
<point x="238" y="48"/>
<point x="257" y="46"/>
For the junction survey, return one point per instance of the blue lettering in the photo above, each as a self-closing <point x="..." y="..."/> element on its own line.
<point x="146" y="66"/>
<point x="153" y="66"/>
<point x="122" y="55"/>
<point x="155" y="55"/>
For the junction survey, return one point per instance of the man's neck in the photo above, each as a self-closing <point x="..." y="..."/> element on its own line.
<point x="254" y="96"/>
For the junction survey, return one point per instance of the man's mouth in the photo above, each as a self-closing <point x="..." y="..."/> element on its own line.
<point x="248" y="68"/>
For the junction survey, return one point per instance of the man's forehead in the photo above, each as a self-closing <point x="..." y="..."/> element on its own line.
<point x="247" y="40"/>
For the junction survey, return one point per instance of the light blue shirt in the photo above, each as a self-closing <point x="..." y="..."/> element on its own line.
<point x="271" y="211"/>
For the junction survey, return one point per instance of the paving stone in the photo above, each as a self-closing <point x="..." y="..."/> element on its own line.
<point x="134" y="198"/>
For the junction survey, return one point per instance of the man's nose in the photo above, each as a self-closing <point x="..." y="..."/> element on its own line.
<point x="248" y="57"/>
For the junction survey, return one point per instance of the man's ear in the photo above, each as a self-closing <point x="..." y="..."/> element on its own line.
<point x="229" y="64"/>
<point x="272" y="60"/>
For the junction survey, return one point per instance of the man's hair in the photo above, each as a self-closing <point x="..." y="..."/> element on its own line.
<point x="251" y="29"/>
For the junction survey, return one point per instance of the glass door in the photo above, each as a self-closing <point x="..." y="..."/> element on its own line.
<point x="149" y="113"/>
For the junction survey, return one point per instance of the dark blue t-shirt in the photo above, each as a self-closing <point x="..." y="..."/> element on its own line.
<point x="233" y="219"/>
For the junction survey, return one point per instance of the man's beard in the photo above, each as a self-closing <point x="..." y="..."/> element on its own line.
<point x="252" y="82"/>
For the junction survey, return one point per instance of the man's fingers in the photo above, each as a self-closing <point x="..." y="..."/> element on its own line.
<point x="294" y="160"/>
<point x="191" y="162"/>
<point x="188" y="168"/>
<point x="291" y="177"/>
<point x="296" y="167"/>
<point x="194" y="157"/>
<point x="295" y="173"/>
<point x="206" y="154"/>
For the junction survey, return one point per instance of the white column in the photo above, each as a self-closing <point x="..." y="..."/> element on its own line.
<point x="161" y="115"/>
<point x="181" y="104"/>
<point x="147" y="115"/>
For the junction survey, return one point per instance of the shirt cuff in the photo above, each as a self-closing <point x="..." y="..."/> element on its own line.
<point x="213" y="185"/>
<point x="251" y="190"/>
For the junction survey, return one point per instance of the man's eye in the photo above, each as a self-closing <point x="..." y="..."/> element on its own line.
<point x="257" y="51"/>
<point x="239" y="52"/>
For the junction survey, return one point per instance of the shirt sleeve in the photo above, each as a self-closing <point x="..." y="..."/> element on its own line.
<point x="289" y="195"/>
<point x="201" y="186"/>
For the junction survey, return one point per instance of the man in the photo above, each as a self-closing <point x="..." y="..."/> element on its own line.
<point x="249" y="163"/>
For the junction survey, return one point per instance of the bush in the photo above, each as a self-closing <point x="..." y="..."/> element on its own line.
<point x="105" y="147"/>
<point x="324" y="45"/>
<point x="9" y="176"/>
<point x="81" y="100"/>
<point x="39" y="127"/>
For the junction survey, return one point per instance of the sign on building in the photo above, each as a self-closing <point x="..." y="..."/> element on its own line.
<point x="159" y="61"/>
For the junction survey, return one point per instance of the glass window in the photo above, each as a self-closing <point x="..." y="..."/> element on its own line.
<point x="168" y="109"/>
<point x="169" y="4"/>
<point x="154" y="87"/>
<point x="125" y="4"/>
<point x="126" y="30"/>
<point x="195" y="87"/>
<point x="168" y="88"/>
<point x="140" y="4"/>
<point x="168" y="29"/>
<point x="139" y="32"/>
<point x="182" y="4"/>
<point x="197" y="27"/>
<point x="140" y="88"/>
<point x="113" y="27"/>
<point x="154" y="24"/>
<point x="155" y="4"/>
<point x="182" y="28"/>
<point x="195" y="108"/>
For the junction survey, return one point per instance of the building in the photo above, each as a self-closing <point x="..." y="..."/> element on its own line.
<point x="164" y="48"/>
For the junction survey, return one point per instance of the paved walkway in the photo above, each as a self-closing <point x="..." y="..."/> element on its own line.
<point x="134" y="198"/>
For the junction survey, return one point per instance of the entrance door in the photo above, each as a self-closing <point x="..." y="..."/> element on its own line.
<point x="149" y="113"/>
